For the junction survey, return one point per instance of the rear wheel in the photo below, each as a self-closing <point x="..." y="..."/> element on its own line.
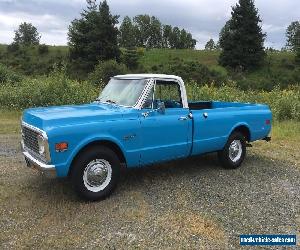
<point x="95" y="173"/>
<point x="234" y="152"/>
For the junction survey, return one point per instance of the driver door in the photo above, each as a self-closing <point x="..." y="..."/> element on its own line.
<point x="164" y="135"/>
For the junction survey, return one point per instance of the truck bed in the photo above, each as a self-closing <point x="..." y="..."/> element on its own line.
<point x="199" y="105"/>
<point x="214" y="121"/>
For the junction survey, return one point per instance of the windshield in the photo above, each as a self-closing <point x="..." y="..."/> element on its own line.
<point x="125" y="92"/>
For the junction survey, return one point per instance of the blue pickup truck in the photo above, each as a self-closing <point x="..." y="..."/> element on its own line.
<point x="137" y="120"/>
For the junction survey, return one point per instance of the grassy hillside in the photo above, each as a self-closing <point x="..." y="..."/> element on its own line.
<point x="163" y="56"/>
<point x="151" y="57"/>
<point x="57" y="88"/>
<point x="52" y="49"/>
<point x="209" y="58"/>
<point x="34" y="60"/>
<point x="278" y="69"/>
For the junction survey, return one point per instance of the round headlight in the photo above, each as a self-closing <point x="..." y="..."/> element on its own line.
<point x="41" y="143"/>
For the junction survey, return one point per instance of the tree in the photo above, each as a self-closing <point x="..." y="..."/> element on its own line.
<point x="130" y="58"/>
<point x="155" y="34"/>
<point x="175" y="38"/>
<point x="242" y="39"/>
<point x="127" y="33"/>
<point x="191" y="42"/>
<point x="27" y="35"/>
<point x="297" y="58"/>
<point x="93" y="37"/>
<point x="167" y="31"/>
<point x="150" y="33"/>
<point x="297" y="47"/>
<point x="292" y="35"/>
<point x="104" y="70"/>
<point x="224" y="33"/>
<point x="182" y="39"/>
<point x="43" y="49"/>
<point x="143" y="29"/>
<point x="210" y="45"/>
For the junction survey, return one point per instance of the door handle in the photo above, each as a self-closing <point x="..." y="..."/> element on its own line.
<point x="182" y="118"/>
<point x="205" y="115"/>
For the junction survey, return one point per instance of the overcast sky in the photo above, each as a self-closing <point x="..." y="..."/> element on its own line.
<point x="203" y="18"/>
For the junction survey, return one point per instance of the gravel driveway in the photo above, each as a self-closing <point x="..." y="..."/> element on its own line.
<point x="189" y="204"/>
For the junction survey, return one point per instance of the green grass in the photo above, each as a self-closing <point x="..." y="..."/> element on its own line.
<point x="287" y="130"/>
<point x="9" y="121"/>
<point x="209" y="58"/>
<point x="164" y="56"/>
<point x="284" y="145"/>
<point x="62" y="49"/>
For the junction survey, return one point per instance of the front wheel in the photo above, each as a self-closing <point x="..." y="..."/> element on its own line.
<point x="95" y="173"/>
<point x="234" y="152"/>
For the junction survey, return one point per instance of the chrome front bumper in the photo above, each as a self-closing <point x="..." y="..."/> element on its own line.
<point x="47" y="170"/>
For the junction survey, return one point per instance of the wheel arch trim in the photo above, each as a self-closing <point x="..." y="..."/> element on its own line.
<point x="244" y="128"/>
<point x="110" y="142"/>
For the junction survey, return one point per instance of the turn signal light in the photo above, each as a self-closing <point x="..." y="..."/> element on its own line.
<point x="61" y="147"/>
<point x="268" y="122"/>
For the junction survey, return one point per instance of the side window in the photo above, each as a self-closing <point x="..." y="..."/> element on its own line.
<point x="149" y="100"/>
<point x="169" y="93"/>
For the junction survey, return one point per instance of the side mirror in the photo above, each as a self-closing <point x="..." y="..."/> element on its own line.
<point x="161" y="108"/>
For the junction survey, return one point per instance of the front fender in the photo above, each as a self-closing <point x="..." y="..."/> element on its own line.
<point x="92" y="139"/>
<point x="62" y="168"/>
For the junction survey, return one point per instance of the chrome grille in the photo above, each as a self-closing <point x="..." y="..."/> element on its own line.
<point x="30" y="138"/>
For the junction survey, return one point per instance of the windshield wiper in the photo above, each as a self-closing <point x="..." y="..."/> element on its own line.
<point x="107" y="101"/>
<point x="110" y="101"/>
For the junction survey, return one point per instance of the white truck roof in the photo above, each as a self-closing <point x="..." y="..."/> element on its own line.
<point x="163" y="76"/>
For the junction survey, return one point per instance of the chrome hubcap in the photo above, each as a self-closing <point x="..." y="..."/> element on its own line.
<point x="97" y="175"/>
<point x="235" y="150"/>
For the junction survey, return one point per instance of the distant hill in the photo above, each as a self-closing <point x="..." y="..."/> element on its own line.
<point x="278" y="69"/>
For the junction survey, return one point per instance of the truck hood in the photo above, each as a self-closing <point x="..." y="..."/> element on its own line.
<point x="48" y="117"/>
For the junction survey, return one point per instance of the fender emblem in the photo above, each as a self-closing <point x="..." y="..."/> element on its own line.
<point x="128" y="137"/>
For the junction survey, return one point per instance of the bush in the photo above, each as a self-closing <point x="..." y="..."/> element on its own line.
<point x="140" y="51"/>
<point x="14" y="47"/>
<point x="287" y="64"/>
<point x="104" y="71"/>
<point x="196" y="71"/>
<point x="296" y="76"/>
<point x="193" y="71"/>
<point x="43" y="49"/>
<point x="56" y="89"/>
<point x="297" y="57"/>
<point x="130" y="58"/>
<point x="7" y="76"/>
<point x="31" y="60"/>
<point x="285" y="104"/>
<point x="265" y="84"/>
<point x="219" y="75"/>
